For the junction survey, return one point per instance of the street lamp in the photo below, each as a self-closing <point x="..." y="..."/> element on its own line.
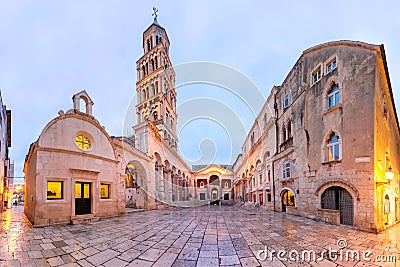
<point x="389" y="173"/>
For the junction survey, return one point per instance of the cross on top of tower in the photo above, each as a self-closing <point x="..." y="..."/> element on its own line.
<point x="155" y="10"/>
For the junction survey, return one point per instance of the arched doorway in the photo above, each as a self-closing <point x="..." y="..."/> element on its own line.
<point x="386" y="209"/>
<point x="338" y="198"/>
<point x="288" y="199"/>
<point x="134" y="181"/>
<point x="214" y="194"/>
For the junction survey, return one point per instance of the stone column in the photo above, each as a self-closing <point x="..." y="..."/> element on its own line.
<point x="208" y="189"/>
<point x="169" y="186"/>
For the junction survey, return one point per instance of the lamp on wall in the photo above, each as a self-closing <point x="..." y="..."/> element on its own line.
<point x="389" y="174"/>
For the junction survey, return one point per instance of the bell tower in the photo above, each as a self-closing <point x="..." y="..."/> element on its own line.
<point x="155" y="86"/>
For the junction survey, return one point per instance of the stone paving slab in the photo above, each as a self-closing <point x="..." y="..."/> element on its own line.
<point x="202" y="236"/>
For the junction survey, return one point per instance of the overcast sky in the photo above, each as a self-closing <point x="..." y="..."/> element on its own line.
<point x="50" y="50"/>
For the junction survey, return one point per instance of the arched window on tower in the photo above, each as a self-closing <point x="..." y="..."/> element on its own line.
<point x="151" y="42"/>
<point x="148" y="45"/>
<point x="156" y="62"/>
<point x="156" y="88"/>
<point x="152" y="65"/>
<point x="143" y="72"/>
<point x="143" y="94"/>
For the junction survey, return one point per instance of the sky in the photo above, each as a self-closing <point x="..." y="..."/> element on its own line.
<point x="50" y="50"/>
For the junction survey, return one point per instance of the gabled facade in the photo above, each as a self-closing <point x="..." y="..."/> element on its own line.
<point x="71" y="171"/>
<point x="213" y="183"/>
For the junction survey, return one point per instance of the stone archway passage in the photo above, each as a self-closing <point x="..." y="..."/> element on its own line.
<point x="338" y="198"/>
<point x="287" y="199"/>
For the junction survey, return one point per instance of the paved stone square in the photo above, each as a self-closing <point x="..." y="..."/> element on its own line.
<point x="201" y="236"/>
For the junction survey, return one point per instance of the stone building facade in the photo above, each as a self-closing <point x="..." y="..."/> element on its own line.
<point x="72" y="171"/>
<point x="5" y="143"/>
<point x="337" y="143"/>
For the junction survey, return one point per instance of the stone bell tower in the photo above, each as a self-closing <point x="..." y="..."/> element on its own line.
<point x="155" y="86"/>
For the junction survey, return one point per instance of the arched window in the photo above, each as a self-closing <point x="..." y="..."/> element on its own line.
<point x="333" y="148"/>
<point x="144" y="94"/>
<point x="156" y="88"/>
<point x="148" y="45"/>
<point x="333" y="96"/>
<point x="226" y="185"/>
<point x="283" y="133"/>
<point x="289" y="130"/>
<point x="143" y="71"/>
<point x="201" y="184"/>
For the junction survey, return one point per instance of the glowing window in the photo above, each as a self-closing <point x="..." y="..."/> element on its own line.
<point x="104" y="191"/>
<point x="82" y="142"/>
<point x="54" y="190"/>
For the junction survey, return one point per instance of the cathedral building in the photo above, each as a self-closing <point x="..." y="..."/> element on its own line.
<point x="337" y="140"/>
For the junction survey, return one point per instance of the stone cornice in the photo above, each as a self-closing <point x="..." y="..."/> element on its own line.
<point x="76" y="153"/>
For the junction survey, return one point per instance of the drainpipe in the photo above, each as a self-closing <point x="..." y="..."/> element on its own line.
<point x="276" y="149"/>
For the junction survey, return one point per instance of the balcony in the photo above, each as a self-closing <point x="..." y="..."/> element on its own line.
<point x="286" y="144"/>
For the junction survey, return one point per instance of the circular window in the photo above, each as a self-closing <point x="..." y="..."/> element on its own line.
<point x="83" y="141"/>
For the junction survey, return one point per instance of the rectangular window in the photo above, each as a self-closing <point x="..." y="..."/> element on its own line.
<point x="286" y="101"/>
<point x="54" y="190"/>
<point x="316" y="75"/>
<point x="202" y="196"/>
<point x="287" y="170"/>
<point x="331" y="66"/>
<point x="104" y="191"/>
<point x="226" y="196"/>
<point x="269" y="197"/>
<point x="332" y="152"/>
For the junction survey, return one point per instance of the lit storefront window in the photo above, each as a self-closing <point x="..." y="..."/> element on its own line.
<point x="104" y="191"/>
<point x="54" y="190"/>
